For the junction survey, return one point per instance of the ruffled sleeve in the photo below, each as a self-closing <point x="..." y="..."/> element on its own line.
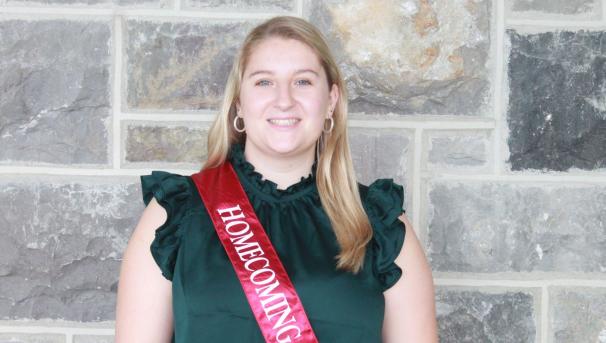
<point x="383" y="203"/>
<point x="172" y="191"/>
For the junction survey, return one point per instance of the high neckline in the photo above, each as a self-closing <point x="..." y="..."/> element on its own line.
<point x="255" y="181"/>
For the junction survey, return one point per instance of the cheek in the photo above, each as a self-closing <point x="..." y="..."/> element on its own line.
<point x="315" y="104"/>
<point x="251" y="101"/>
<point x="316" y="121"/>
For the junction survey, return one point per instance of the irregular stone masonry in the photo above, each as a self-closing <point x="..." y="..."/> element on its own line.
<point x="177" y="144"/>
<point x="562" y="124"/>
<point x="489" y="227"/>
<point x="497" y="134"/>
<point x="50" y="88"/>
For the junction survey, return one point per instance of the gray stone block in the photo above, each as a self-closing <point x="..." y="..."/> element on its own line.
<point x="21" y="325"/>
<point x="557" y="106"/>
<point x="161" y="143"/>
<point x="380" y="153"/>
<point x="244" y="5"/>
<point x="468" y="316"/>
<point x="97" y="3"/>
<point x="427" y="57"/>
<point x="457" y="150"/>
<point x="55" y="91"/>
<point x="489" y="227"/>
<point x="63" y="241"/>
<point x="179" y="66"/>
<point x="93" y="339"/>
<point x="556" y="6"/>
<point x="577" y="314"/>
<point x="31" y="338"/>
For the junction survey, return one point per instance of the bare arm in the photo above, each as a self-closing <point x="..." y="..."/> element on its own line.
<point x="410" y="315"/>
<point x="144" y="305"/>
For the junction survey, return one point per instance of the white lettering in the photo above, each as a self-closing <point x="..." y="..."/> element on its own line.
<point x="282" y="319"/>
<point x="283" y="305"/>
<point x="253" y="260"/>
<point x="264" y="292"/>
<point x="287" y="338"/>
<point x="249" y="251"/>
<point x="241" y="240"/>
<point x="237" y="222"/>
<point x="231" y="211"/>
<point x="269" y="279"/>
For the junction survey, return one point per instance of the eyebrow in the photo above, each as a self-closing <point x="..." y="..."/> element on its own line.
<point x="270" y="72"/>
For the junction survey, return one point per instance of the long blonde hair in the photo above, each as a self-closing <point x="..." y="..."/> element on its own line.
<point x="335" y="176"/>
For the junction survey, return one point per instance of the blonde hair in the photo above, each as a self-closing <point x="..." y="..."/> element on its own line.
<point x="335" y="176"/>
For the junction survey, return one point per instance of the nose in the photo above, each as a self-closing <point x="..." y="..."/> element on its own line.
<point x="285" y="99"/>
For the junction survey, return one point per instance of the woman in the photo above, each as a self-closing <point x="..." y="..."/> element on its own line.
<point x="283" y="128"/>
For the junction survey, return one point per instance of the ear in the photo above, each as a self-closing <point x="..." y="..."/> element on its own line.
<point x="334" y="97"/>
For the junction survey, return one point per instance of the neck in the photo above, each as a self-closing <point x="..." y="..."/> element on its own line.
<point x="284" y="170"/>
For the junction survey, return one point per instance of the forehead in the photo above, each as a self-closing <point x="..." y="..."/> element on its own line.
<point x="278" y="54"/>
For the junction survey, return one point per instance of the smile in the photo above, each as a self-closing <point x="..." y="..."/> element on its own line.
<point x="284" y="122"/>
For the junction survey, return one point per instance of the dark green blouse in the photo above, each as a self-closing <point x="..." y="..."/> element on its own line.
<point x="209" y="304"/>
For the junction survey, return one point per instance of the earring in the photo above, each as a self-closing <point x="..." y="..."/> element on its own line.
<point x="332" y="124"/>
<point x="319" y="147"/>
<point x="236" y="124"/>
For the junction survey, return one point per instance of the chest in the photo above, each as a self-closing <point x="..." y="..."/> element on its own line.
<point x="206" y="284"/>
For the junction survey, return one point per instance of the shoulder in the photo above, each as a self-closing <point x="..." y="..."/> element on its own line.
<point x="410" y="302"/>
<point x="383" y="186"/>
<point x="168" y="197"/>
<point x="383" y="202"/>
<point x="172" y="191"/>
<point x="383" y="199"/>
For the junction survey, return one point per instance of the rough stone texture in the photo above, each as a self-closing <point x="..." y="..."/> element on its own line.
<point x="49" y="88"/>
<point x="31" y="338"/>
<point x="380" y="153"/>
<point x="577" y="315"/>
<point x="415" y="56"/>
<point x="57" y="324"/>
<point x="61" y="246"/>
<point x="93" y="339"/>
<point x="556" y="6"/>
<point x="473" y="316"/>
<point x="557" y="102"/>
<point x="489" y="227"/>
<point x="180" y="66"/>
<point x="457" y="150"/>
<point x="96" y="3"/>
<point x="244" y="5"/>
<point x="155" y="143"/>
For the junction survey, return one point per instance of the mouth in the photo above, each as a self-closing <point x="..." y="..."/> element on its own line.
<point x="283" y="122"/>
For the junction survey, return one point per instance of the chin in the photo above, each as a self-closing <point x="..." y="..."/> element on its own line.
<point x="283" y="148"/>
<point x="287" y="147"/>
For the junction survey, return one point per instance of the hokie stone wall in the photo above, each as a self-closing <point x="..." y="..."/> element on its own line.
<point x="492" y="113"/>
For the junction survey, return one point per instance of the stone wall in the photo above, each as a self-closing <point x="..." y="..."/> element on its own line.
<point x="491" y="112"/>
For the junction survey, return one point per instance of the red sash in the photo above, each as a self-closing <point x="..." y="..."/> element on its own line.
<point x="270" y="293"/>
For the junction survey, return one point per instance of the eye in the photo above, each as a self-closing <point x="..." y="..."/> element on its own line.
<point x="303" y="82"/>
<point x="262" y="83"/>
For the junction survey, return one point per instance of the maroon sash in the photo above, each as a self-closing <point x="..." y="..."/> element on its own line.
<point x="270" y="293"/>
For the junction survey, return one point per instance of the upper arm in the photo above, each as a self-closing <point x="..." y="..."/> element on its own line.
<point x="410" y="304"/>
<point x="144" y="302"/>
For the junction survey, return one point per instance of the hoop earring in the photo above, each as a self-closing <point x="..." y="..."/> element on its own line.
<point x="332" y="124"/>
<point x="319" y="146"/>
<point x="236" y="124"/>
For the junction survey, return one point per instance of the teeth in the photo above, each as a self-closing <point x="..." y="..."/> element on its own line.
<point x="283" y="122"/>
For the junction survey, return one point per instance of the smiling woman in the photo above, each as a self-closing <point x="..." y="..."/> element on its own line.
<point x="286" y="99"/>
<point x="274" y="240"/>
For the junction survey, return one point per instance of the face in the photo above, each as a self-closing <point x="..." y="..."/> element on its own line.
<point x="284" y="98"/>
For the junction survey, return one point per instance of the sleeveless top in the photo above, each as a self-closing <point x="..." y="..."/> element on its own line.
<point x="209" y="304"/>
